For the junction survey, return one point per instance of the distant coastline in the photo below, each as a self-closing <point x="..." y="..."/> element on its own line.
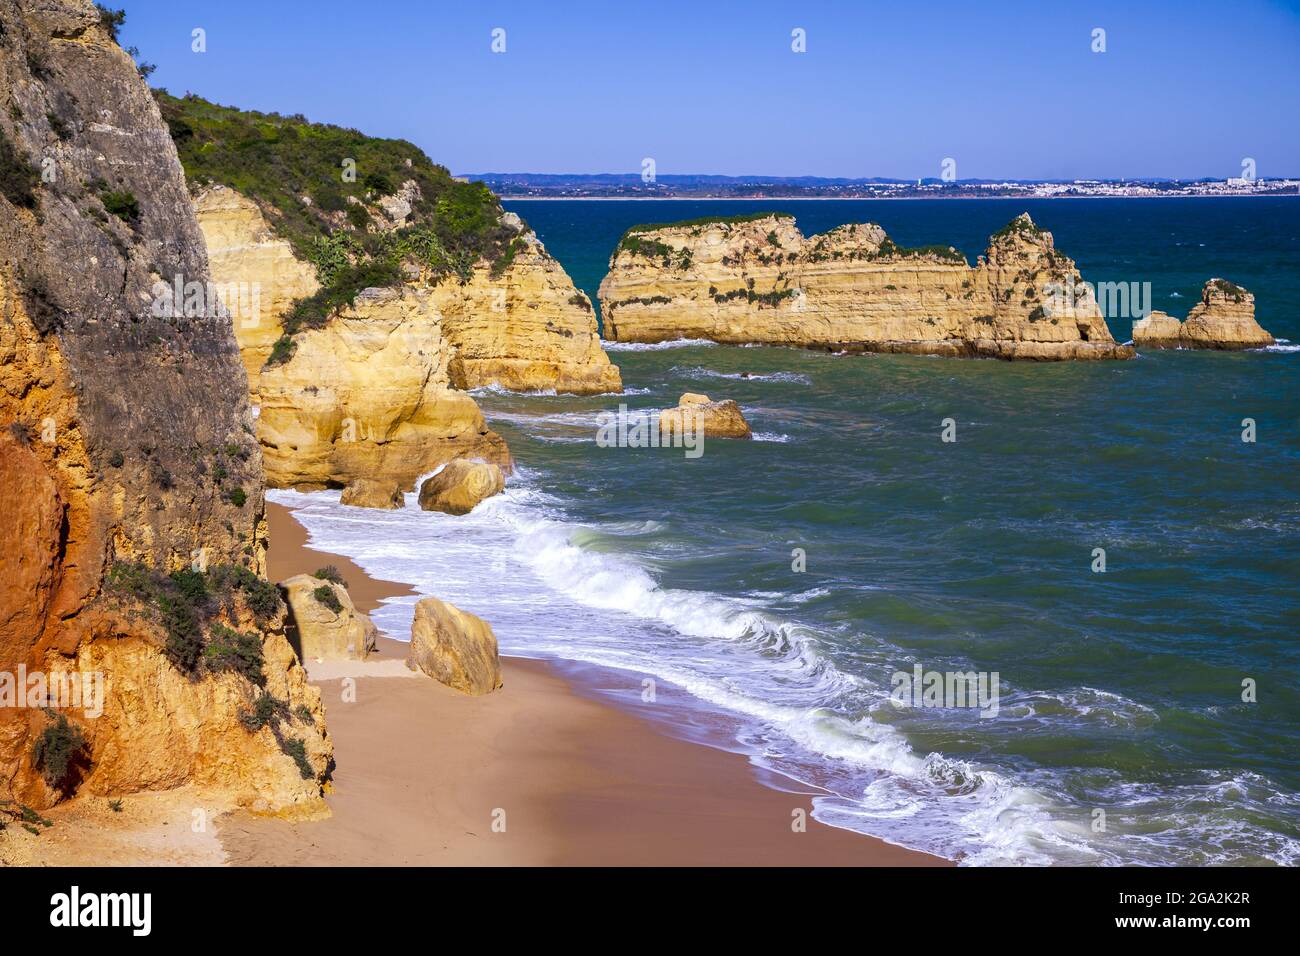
<point x="707" y="198"/>
<point x="709" y="187"/>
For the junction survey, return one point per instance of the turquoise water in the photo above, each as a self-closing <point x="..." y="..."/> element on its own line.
<point x="1120" y="692"/>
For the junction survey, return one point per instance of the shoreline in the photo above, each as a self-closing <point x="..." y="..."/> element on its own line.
<point x="424" y="772"/>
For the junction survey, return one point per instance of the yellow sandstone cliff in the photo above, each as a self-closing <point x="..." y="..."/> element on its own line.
<point x="379" y="391"/>
<point x="759" y="280"/>
<point x="370" y="395"/>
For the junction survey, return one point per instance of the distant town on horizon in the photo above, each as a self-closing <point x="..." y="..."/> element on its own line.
<point x="703" y="186"/>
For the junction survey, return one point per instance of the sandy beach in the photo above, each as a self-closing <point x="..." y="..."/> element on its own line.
<point x="538" y="773"/>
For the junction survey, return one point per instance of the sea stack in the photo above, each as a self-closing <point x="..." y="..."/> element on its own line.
<point x="1224" y="319"/>
<point x="758" y="280"/>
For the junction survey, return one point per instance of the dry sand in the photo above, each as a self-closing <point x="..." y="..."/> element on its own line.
<point x="534" y="774"/>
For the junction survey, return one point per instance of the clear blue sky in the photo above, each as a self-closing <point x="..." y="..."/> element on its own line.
<point x="1184" y="89"/>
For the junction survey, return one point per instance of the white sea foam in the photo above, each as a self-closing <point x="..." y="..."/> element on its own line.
<point x="611" y="346"/>
<point x="555" y="589"/>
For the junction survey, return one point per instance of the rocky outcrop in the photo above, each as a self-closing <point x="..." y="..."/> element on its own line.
<point x="326" y="623"/>
<point x="1159" y="330"/>
<point x="458" y="488"/>
<point x="126" y="440"/>
<point x="698" y="415"/>
<point x="759" y="280"/>
<point x="255" y="272"/>
<point x="454" y="647"/>
<point x="1223" y="319"/>
<point x="371" y="493"/>
<point x="525" y="329"/>
<point x="370" y="396"/>
<point x="528" y="329"/>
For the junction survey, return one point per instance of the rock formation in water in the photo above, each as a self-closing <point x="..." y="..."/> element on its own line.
<point x="757" y="279"/>
<point x="699" y="415"/>
<point x="1223" y="319"/>
<point x="326" y="623"/>
<point x="132" y="545"/>
<point x="458" y="488"/>
<point x="454" y="647"/>
<point x="373" y="493"/>
<point x="308" y="259"/>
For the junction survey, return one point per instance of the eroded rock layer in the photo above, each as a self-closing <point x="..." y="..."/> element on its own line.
<point x="127" y="441"/>
<point x="759" y="280"/>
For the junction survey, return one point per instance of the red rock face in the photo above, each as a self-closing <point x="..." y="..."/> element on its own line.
<point x="31" y="548"/>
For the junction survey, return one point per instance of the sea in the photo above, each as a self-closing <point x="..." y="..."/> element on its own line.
<point x="1113" y="548"/>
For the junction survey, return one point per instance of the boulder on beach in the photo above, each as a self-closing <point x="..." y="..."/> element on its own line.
<point x="460" y="486"/>
<point x="698" y="413"/>
<point x="373" y="493"/>
<point x="329" y="626"/>
<point x="454" y="647"/>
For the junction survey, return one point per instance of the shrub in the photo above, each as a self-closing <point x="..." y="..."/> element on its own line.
<point x="121" y="204"/>
<point x="303" y="713"/>
<point x="237" y="496"/>
<point x="111" y="20"/>
<point x="59" y="751"/>
<point x="116" y="460"/>
<point x="21" y="432"/>
<point x="191" y="585"/>
<point x="58" y="125"/>
<point x="184" y="636"/>
<point x="265" y="709"/>
<point x="325" y="596"/>
<point x="115" y="806"/>
<point x="330" y="573"/>
<point x="298" y="751"/>
<point x="228" y="650"/>
<point x="18" y="178"/>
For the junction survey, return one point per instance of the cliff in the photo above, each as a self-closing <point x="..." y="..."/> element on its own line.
<point x="370" y="395"/>
<point x="132" y="547"/>
<point x="758" y="280"/>
<point x="1223" y="319"/>
<point x="301" y="248"/>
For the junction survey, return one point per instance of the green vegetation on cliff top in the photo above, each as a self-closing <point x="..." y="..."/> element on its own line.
<point x="704" y="221"/>
<point x="320" y="185"/>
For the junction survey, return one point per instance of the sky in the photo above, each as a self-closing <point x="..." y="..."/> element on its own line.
<point x="1005" y="90"/>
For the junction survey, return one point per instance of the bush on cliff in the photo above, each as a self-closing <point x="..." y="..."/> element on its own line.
<point x="59" y="752"/>
<point x="186" y="602"/>
<point x="18" y="178"/>
<point x="326" y="597"/>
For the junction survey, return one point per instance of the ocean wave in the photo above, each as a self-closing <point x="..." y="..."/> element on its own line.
<point x="495" y="389"/>
<point x="611" y="346"/>
<point x="554" y="588"/>
<point x="771" y="436"/>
